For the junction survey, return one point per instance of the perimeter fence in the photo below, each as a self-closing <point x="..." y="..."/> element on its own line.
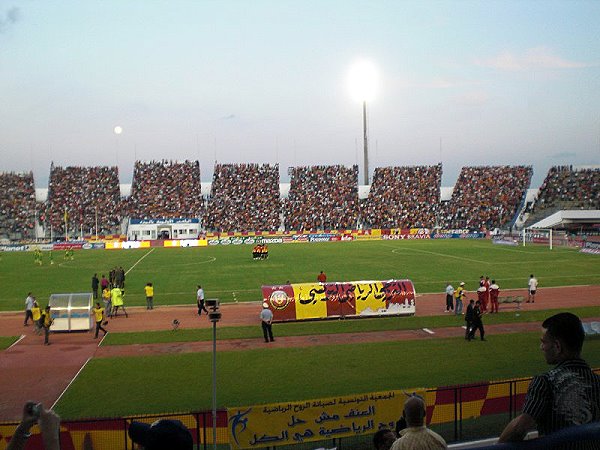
<point x="458" y="413"/>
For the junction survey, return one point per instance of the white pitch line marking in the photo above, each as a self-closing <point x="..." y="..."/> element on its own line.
<point x="71" y="382"/>
<point x="427" y="330"/>
<point x="139" y="261"/>
<point x="16" y="342"/>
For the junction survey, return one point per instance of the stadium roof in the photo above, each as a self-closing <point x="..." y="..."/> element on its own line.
<point x="568" y="218"/>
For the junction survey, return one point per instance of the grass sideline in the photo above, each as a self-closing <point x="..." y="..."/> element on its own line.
<point x="230" y="274"/>
<point x="7" y="341"/>
<point x="181" y="382"/>
<point x="333" y="327"/>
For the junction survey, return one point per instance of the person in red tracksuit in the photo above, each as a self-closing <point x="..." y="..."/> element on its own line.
<point x="487" y="283"/>
<point x="494" y="292"/>
<point x="481" y="297"/>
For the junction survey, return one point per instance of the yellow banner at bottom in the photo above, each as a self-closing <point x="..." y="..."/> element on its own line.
<point x="313" y="420"/>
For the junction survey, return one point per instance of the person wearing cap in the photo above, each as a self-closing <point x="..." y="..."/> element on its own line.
<point x="266" y="319"/>
<point x="459" y="294"/>
<point x="161" y="435"/>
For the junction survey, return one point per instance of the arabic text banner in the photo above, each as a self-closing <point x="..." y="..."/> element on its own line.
<point x="356" y="298"/>
<point x="313" y="420"/>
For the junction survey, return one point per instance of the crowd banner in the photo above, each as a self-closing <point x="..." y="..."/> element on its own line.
<point x="313" y="420"/>
<point x="355" y="298"/>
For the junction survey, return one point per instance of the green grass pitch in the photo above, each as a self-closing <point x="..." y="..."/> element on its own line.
<point x="230" y="274"/>
<point x="182" y="382"/>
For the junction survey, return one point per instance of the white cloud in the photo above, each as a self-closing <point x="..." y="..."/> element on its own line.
<point x="473" y="98"/>
<point x="434" y="83"/>
<point x="534" y="58"/>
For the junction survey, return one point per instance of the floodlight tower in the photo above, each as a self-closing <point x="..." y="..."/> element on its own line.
<point x="362" y="82"/>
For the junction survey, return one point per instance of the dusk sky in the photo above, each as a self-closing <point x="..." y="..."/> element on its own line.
<point x="461" y="82"/>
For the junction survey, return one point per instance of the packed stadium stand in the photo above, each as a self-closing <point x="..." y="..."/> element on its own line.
<point x="566" y="188"/>
<point x="403" y="197"/>
<point x="487" y="197"/>
<point x="244" y="197"/>
<point x="322" y="197"/>
<point x="165" y="189"/>
<point x="83" y="196"/>
<point x="17" y="205"/>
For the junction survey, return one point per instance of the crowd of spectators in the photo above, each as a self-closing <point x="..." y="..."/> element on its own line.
<point x="84" y="196"/>
<point x="165" y="189"/>
<point x="17" y="205"/>
<point x="322" y="197"/>
<point x="579" y="187"/>
<point x="244" y="197"/>
<point x="486" y="197"/>
<point x="403" y="197"/>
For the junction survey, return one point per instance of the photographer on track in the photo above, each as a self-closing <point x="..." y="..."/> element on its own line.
<point x="48" y="422"/>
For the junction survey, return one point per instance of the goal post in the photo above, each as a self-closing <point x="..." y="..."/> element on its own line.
<point x="537" y="236"/>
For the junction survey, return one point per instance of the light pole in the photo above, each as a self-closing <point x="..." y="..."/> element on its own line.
<point x="214" y="316"/>
<point x="362" y="82"/>
<point x="366" y="143"/>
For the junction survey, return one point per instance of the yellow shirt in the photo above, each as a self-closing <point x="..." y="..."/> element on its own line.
<point x="98" y="314"/>
<point x="106" y="293"/>
<point x="47" y="319"/>
<point x="36" y="313"/>
<point x="149" y="291"/>
<point x="117" y="296"/>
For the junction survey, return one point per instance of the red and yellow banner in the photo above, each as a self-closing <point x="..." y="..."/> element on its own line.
<point x="313" y="420"/>
<point x="356" y="298"/>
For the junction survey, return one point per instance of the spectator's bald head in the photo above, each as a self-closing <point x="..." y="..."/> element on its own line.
<point x="414" y="411"/>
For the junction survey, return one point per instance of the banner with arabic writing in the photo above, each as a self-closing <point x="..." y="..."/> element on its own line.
<point x="354" y="298"/>
<point x="313" y="420"/>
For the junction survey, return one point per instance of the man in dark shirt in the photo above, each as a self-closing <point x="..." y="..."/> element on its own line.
<point x="95" y="284"/>
<point x="567" y="395"/>
<point x="469" y="319"/>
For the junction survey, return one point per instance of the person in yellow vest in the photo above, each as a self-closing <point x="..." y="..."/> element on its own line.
<point x="116" y="296"/>
<point x="36" y="313"/>
<point x="107" y="301"/>
<point x="46" y="321"/>
<point x="149" y="290"/>
<point x="99" y="317"/>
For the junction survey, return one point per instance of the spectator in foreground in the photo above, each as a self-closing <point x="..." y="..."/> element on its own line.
<point x="416" y="436"/>
<point x="162" y="434"/>
<point x="384" y="439"/>
<point x="567" y="395"/>
<point x="48" y="421"/>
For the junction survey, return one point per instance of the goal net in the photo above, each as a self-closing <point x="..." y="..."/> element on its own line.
<point x="544" y="236"/>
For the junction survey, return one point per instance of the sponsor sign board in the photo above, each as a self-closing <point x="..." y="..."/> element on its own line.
<point x="356" y="298"/>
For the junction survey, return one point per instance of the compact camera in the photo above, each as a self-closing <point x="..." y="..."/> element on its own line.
<point x="35" y="409"/>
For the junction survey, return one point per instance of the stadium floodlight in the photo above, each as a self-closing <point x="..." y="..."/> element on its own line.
<point x="362" y="82"/>
<point x="118" y="129"/>
<point x="214" y="316"/>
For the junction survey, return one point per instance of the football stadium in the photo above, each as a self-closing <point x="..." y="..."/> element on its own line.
<point x="170" y="300"/>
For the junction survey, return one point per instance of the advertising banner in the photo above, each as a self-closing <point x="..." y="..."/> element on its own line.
<point x="162" y="221"/>
<point x="356" y="298"/>
<point x="127" y="244"/>
<point x="591" y="247"/>
<point x="313" y="420"/>
<point x="68" y="245"/>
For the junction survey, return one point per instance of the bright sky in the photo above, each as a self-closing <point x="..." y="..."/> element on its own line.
<point x="462" y="82"/>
